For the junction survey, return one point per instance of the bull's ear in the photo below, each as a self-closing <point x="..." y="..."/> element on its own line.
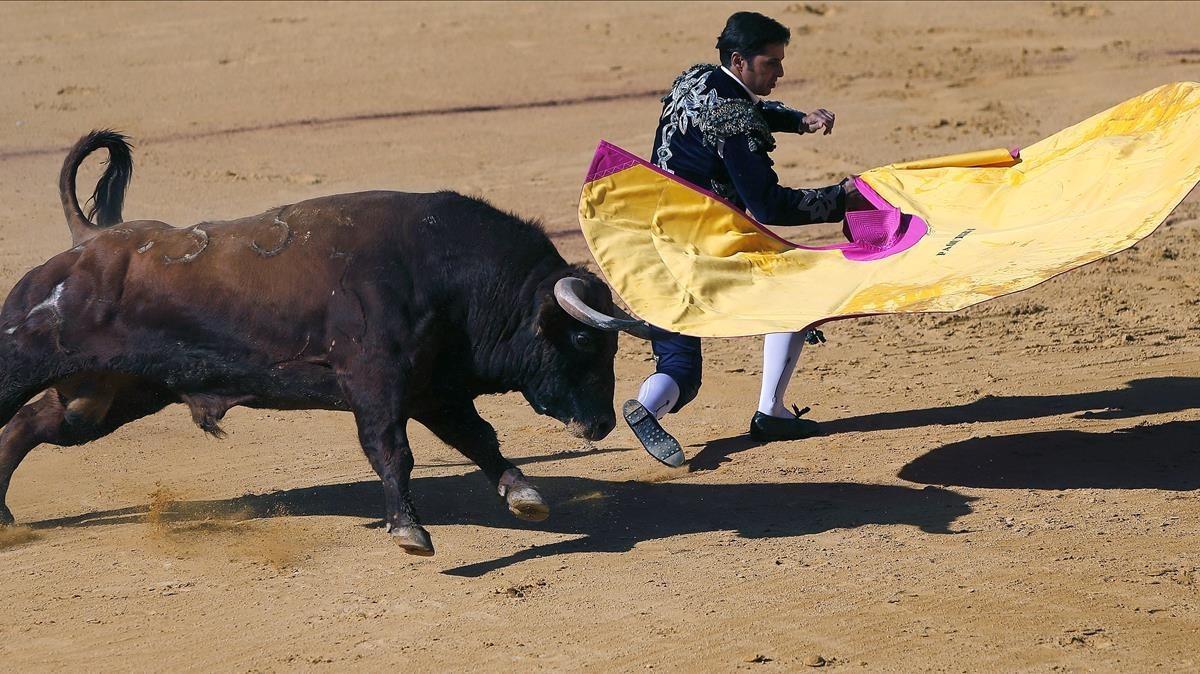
<point x="548" y="314"/>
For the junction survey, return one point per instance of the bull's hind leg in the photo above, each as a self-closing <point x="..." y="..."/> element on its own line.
<point x="48" y="419"/>
<point x="24" y="372"/>
<point x="461" y="427"/>
<point x="376" y="395"/>
<point x="75" y="411"/>
<point x="33" y="424"/>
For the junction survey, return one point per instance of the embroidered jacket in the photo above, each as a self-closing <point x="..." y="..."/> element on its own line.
<point x="713" y="135"/>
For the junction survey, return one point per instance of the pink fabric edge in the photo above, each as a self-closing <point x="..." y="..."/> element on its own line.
<point x="610" y="159"/>
<point x="916" y="230"/>
<point x="870" y="193"/>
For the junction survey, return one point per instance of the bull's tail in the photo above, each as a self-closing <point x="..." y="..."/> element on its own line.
<point x="109" y="197"/>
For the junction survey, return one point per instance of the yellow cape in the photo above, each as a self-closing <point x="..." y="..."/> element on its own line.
<point x="687" y="261"/>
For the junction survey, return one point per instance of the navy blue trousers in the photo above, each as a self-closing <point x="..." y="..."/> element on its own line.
<point x="679" y="357"/>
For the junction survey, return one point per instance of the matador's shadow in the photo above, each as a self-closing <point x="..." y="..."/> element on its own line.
<point x="1130" y="462"/>
<point x="1166" y="456"/>
<point x="1139" y="397"/>
<point x="607" y="516"/>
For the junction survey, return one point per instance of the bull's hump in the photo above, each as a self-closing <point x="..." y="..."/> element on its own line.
<point x="353" y="216"/>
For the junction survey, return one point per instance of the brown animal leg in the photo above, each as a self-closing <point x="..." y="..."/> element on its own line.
<point x="376" y="396"/>
<point x="28" y="366"/>
<point x="60" y="418"/>
<point x="42" y="421"/>
<point x="461" y="427"/>
<point x="33" y="424"/>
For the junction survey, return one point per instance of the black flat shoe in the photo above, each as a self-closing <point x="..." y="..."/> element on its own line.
<point x="657" y="442"/>
<point x="766" y="428"/>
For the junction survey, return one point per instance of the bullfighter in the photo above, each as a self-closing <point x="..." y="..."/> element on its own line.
<point x="716" y="132"/>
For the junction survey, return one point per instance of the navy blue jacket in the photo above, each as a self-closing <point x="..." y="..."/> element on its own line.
<point x="713" y="135"/>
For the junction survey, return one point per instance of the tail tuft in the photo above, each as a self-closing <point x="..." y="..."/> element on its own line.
<point x="109" y="197"/>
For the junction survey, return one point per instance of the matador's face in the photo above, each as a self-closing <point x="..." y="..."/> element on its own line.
<point x="760" y="72"/>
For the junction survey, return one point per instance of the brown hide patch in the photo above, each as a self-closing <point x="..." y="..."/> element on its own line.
<point x="182" y="245"/>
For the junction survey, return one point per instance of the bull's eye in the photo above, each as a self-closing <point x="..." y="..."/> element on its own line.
<point x="584" y="341"/>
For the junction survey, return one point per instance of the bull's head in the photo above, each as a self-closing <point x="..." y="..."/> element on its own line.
<point x="574" y="345"/>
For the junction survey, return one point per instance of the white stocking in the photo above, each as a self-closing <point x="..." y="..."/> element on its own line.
<point x="659" y="394"/>
<point x="781" y="351"/>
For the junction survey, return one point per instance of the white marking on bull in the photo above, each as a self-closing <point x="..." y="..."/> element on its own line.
<point x="283" y="242"/>
<point x="201" y="238"/>
<point x="50" y="302"/>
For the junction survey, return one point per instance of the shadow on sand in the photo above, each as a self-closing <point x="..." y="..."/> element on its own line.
<point x="1142" y="457"/>
<point x="1137" y="398"/>
<point x="607" y="516"/>
<point x="615" y="516"/>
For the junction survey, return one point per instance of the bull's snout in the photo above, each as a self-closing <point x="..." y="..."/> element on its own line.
<point x="592" y="419"/>
<point x="597" y="428"/>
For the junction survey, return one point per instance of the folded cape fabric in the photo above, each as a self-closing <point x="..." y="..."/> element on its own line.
<point x="946" y="233"/>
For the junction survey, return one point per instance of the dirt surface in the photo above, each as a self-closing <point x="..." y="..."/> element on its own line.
<point x="1013" y="487"/>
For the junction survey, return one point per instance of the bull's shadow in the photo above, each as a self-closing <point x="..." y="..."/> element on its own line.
<point x="1139" y="397"/>
<point x="1142" y="457"/>
<point x="608" y="516"/>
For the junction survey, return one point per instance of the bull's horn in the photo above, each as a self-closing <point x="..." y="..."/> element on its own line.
<point x="566" y="291"/>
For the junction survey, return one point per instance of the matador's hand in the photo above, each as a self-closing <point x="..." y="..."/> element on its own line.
<point x="855" y="201"/>
<point x="815" y="121"/>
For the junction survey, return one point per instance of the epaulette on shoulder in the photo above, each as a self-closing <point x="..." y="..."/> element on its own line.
<point x="734" y="116"/>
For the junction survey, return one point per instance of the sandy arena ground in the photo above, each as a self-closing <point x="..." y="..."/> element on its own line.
<point x="1013" y="487"/>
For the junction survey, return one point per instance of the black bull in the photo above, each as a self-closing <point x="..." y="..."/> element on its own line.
<point x="389" y="305"/>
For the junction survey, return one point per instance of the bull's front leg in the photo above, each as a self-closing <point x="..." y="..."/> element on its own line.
<point x="460" y="426"/>
<point x="387" y="448"/>
<point x="377" y="397"/>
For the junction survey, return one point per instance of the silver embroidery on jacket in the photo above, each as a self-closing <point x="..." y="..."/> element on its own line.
<point x="732" y="117"/>
<point x="682" y="107"/>
<point x="689" y="105"/>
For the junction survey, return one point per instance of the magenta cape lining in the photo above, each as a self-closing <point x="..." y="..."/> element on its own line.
<point x="875" y="234"/>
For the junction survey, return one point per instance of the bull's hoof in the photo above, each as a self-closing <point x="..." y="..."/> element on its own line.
<point x="522" y="499"/>
<point x="6" y="517"/>
<point x="527" y="504"/>
<point x="414" y="540"/>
